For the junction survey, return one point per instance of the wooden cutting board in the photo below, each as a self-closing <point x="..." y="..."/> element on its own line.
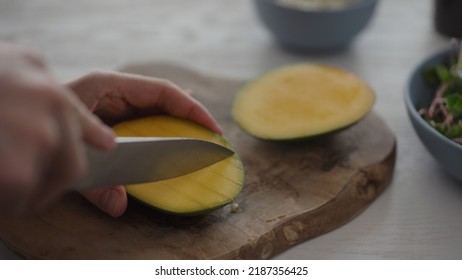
<point x="293" y="192"/>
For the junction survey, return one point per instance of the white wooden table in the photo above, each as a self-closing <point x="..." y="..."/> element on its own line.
<point x="418" y="216"/>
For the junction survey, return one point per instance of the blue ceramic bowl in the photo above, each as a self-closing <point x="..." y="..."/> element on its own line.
<point x="315" y="30"/>
<point x="419" y="95"/>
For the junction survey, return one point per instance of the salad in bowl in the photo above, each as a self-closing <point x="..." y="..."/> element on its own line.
<point x="433" y="100"/>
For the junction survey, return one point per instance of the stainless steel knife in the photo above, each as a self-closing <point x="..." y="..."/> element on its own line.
<point x="148" y="159"/>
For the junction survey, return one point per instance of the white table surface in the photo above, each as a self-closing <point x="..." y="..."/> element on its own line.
<point x="417" y="217"/>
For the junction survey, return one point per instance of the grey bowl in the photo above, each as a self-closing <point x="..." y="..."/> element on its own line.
<point x="325" y="30"/>
<point x="418" y="95"/>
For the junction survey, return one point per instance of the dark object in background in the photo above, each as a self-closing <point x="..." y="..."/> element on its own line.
<point x="448" y="17"/>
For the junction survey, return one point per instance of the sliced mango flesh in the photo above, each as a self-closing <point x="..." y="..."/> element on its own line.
<point x="300" y="101"/>
<point x="197" y="193"/>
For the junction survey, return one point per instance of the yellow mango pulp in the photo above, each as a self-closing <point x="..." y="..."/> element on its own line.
<point x="199" y="192"/>
<point x="301" y="100"/>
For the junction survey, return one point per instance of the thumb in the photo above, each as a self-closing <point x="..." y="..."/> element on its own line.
<point x="111" y="200"/>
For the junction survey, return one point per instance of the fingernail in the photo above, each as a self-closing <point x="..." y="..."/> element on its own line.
<point x="109" y="201"/>
<point x="109" y="136"/>
<point x="220" y="130"/>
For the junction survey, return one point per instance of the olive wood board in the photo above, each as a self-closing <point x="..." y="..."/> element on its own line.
<point x="293" y="191"/>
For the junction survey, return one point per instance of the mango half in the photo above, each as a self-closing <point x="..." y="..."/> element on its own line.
<point x="300" y="101"/>
<point x="196" y="193"/>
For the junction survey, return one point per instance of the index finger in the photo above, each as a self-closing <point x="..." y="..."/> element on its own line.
<point x="147" y="92"/>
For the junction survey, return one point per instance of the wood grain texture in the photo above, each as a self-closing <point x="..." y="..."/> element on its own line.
<point x="294" y="191"/>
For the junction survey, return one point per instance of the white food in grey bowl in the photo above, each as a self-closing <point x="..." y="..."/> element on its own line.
<point x="316" y="4"/>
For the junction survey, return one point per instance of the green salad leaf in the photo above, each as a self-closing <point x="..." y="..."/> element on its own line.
<point x="454" y="104"/>
<point x="445" y="110"/>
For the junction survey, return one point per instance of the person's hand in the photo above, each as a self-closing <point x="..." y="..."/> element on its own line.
<point x="117" y="96"/>
<point x="43" y="129"/>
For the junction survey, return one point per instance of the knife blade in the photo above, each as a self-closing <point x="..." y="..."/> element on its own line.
<point x="148" y="159"/>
